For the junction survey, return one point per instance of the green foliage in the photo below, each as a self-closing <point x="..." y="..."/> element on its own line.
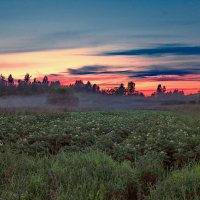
<point x="123" y="135"/>
<point x="181" y="184"/>
<point x="59" y="155"/>
<point x="73" y="176"/>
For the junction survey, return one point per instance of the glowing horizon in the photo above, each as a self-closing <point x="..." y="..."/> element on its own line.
<point x="38" y="64"/>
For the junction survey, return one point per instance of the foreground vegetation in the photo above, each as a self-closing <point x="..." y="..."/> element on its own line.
<point x="99" y="155"/>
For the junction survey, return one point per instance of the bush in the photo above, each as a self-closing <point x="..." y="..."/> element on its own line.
<point x="183" y="184"/>
<point x="64" y="97"/>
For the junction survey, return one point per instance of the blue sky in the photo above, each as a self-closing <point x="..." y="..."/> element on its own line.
<point x="28" y="25"/>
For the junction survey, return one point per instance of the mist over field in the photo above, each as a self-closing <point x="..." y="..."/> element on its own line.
<point x="97" y="102"/>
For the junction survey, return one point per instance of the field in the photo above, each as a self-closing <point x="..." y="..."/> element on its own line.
<point x="137" y="155"/>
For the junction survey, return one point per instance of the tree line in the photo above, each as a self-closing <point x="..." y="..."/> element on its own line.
<point x="27" y="86"/>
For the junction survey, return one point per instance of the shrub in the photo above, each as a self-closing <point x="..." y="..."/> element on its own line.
<point x="63" y="96"/>
<point x="182" y="184"/>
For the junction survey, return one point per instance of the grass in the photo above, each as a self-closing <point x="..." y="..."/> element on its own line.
<point x="99" y="155"/>
<point x="94" y="174"/>
<point x="180" y="184"/>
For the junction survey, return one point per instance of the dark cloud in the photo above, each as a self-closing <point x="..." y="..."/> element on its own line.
<point x="90" y="69"/>
<point x="150" y="72"/>
<point x="159" y="72"/>
<point x="166" y="49"/>
<point x="86" y="70"/>
<point x="175" y="78"/>
<point x="55" y="75"/>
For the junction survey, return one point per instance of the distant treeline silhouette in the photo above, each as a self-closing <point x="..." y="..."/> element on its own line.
<point x="26" y="86"/>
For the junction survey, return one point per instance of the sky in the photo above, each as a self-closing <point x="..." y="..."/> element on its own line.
<point x="107" y="42"/>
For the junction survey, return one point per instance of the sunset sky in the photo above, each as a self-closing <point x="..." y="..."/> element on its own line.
<point x="104" y="41"/>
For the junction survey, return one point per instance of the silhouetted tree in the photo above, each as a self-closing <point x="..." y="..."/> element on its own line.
<point x="121" y="90"/>
<point x="79" y="85"/>
<point x="110" y="91"/>
<point x="95" y="88"/>
<point x="35" y="81"/>
<point x="45" y="80"/>
<point x="159" y="89"/>
<point x="2" y="80"/>
<point x="180" y="92"/>
<point x="10" y="80"/>
<point x="2" y="77"/>
<point x="55" y="84"/>
<point x="131" y="88"/>
<point x="27" y="78"/>
<point x="164" y="89"/>
<point x="88" y="86"/>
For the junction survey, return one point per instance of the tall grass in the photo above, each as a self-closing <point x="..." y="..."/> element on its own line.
<point x="180" y="184"/>
<point x="76" y="176"/>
